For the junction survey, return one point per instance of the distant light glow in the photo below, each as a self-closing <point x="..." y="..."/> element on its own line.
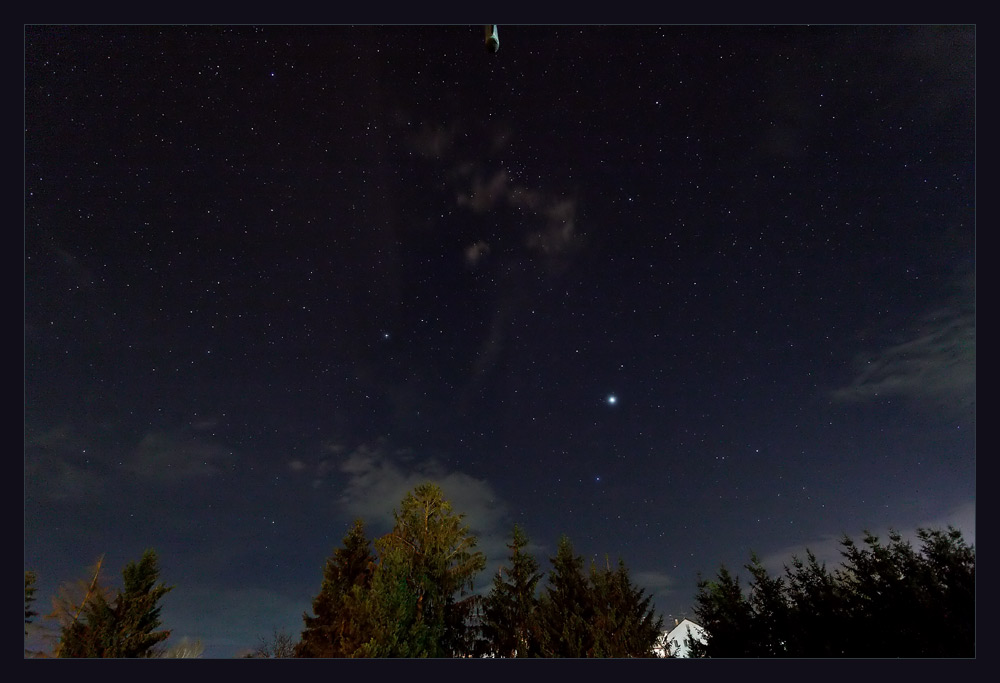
<point x="612" y="399"/>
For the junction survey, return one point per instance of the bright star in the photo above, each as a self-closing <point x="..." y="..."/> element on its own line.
<point x="612" y="399"/>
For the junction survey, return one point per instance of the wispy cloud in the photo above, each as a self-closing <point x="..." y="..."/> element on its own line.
<point x="552" y="233"/>
<point x="65" y="464"/>
<point x="54" y="477"/>
<point x="168" y="458"/>
<point x="934" y="366"/>
<point x="61" y="436"/>
<point x="549" y="229"/>
<point x="484" y="193"/>
<point x="658" y="584"/>
<point x="57" y="466"/>
<point x="541" y="235"/>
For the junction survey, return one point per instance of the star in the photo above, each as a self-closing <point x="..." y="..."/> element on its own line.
<point x="611" y="399"/>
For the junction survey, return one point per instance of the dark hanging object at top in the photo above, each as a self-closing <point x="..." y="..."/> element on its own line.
<point x="492" y="38"/>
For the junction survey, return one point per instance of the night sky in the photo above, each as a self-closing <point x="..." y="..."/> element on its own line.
<point x="678" y="292"/>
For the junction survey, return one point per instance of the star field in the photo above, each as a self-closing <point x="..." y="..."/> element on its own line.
<point x="678" y="292"/>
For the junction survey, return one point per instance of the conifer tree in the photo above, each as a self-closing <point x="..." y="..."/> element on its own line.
<point x="770" y="610"/>
<point x="432" y="550"/>
<point x="889" y="589"/>
<point x="409" y="599"/>
<point x="71" y="603"/>
<point x="817" y="617"/>
<point x="93" y="634"/>
<point x="624" y="624"/>
<point x="338" y="630"/>
<point x="725" y="613"/>
<point x="948" y="592"/>
<point x="137" y="609"/>
<point x="509" y="611"/>
<point x="30" y="579"/>
<point x="124" y="627"/>
<point x="565" y="609"/>
<point x="391" y="611"/>
<point x="29" y="597"/>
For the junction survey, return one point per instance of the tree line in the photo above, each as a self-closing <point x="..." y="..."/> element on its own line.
<point x="885" y="600"/>
<point x="410" y="596"/>
<point x="409" y="593"/>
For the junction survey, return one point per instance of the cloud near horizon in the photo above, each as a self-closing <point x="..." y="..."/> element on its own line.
<point x="827" y="549"/>
<point x="378" y="478"/>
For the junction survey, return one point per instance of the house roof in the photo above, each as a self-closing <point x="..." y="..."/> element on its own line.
<point x="676" y="638"/>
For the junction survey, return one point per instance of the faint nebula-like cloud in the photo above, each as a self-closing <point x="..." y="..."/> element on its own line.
<point x="549" y="226"/>
<point x="474" y="253"/>
<point x="485" y="193"/>
<point x="552" y="233"/>
<point x="529" y="231"/>
<point x="433" y="142"/>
